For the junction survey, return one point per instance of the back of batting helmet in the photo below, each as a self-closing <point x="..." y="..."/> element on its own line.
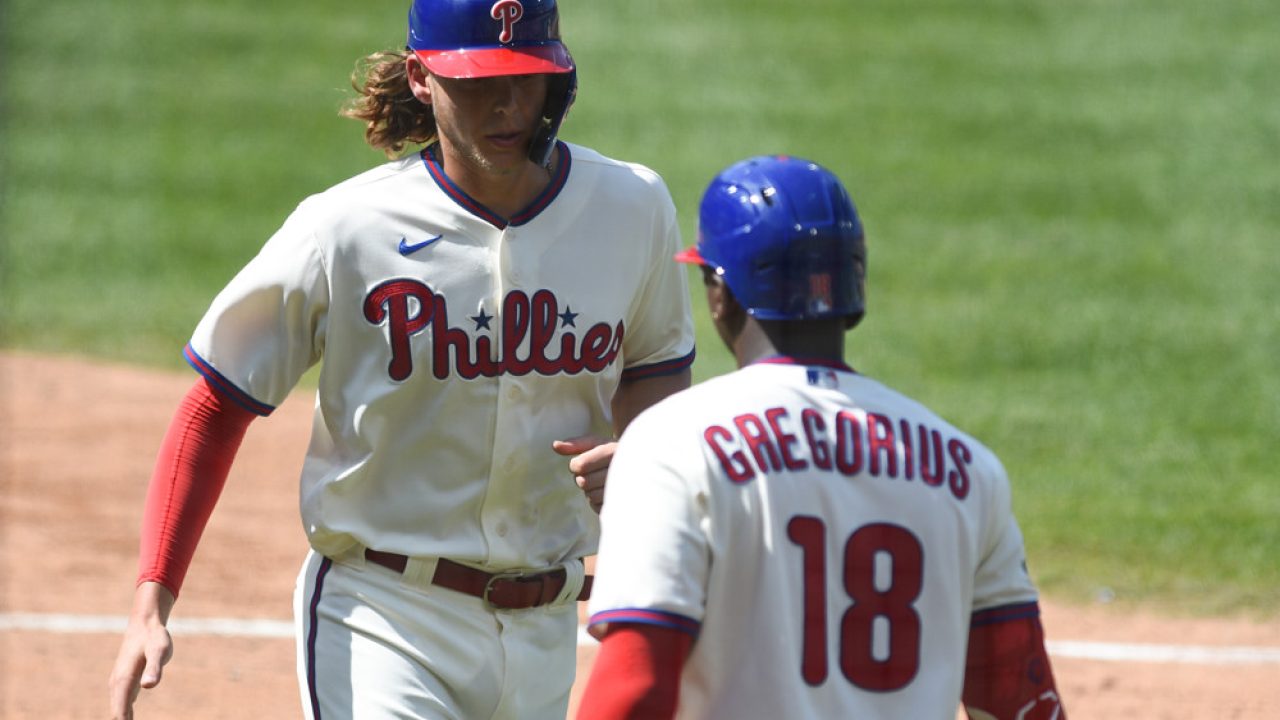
<point x="784" y="235"/>
<point x="488" y="38"/>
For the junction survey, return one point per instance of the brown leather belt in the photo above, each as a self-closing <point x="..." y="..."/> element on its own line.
<point x="502" y="590"/>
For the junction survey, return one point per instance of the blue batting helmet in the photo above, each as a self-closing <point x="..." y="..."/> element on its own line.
<point x="483" y="38"/>
<point x="487" y="38"/>
<point x="784" y="235"/>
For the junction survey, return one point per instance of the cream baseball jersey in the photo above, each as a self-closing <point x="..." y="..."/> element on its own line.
<point x="456" y="347"/>
<point x="827" y="540"/>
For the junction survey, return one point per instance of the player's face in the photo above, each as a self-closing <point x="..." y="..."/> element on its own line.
<point x="488" y="122"/>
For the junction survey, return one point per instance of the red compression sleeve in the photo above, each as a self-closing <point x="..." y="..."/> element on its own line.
<point x="636" y="673"/>
<point x="191" y="469"/>
<point x="1008" y="672"/>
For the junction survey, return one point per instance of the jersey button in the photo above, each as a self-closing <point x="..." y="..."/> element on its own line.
<point x="501" y="529"/>
<point x="513" y="393"/>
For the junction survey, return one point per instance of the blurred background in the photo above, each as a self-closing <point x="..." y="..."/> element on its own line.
<point x="1072" y="208"/>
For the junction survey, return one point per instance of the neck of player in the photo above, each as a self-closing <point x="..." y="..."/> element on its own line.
<point x="807" y="339"/>
<point x="505" y="191"/>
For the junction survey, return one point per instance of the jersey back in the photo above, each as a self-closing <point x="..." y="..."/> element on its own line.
<point x="825" y="538"/>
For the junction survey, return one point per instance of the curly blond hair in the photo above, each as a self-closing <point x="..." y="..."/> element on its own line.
<point x="392" y="116"/>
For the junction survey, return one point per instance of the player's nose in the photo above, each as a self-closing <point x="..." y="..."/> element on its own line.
<point x="505" y="94"/>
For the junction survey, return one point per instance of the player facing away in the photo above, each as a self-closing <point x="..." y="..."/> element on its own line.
<point x="489" y="313"/>
<point x="794" y="539"/>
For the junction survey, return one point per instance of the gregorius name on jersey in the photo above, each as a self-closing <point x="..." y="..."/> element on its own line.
<point x="848" y="442"/>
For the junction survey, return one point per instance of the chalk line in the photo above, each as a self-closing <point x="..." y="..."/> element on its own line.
<point x="262" y="628"/>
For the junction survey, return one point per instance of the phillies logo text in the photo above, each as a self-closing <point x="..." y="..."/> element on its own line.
<point x="452" y="349"/>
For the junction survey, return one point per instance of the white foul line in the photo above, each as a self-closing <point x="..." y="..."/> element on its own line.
<point x="234" y="627"/>
<point x="1151" y="653"/>
<point x="77" y="624"/>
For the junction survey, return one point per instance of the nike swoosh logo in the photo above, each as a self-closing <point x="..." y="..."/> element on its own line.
<point x="406" y="248"/>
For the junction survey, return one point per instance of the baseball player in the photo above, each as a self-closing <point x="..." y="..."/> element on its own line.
<point x="490" y="312"/>
<point x="794" y="539"/>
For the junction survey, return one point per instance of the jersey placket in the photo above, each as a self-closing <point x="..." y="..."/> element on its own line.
<point x="508" y="456"/>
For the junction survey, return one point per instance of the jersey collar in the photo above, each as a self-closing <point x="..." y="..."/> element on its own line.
<point x="434" y="167"/>
<point x="803" y="361"/>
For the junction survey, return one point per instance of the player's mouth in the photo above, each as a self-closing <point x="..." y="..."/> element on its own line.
<point x="507" y="140"/>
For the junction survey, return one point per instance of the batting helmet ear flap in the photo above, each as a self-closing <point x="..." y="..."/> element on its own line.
<point x="562" y="89"/>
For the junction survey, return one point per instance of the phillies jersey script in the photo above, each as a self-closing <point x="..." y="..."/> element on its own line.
<point x="457" y="346"/>
<point x="809" y="523"/>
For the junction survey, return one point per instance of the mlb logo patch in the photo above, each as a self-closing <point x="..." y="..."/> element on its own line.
<point x="822" y="377"/>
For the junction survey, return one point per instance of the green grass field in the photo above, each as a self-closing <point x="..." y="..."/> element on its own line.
<point x="1073" y="211"/>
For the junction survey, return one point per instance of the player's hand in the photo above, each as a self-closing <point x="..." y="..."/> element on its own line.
<point x="589" y="462"/>
<point x="144" y="651"/>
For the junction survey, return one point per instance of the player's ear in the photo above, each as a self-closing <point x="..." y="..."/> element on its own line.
<point x="727" y="314"/>
<point x="724" y="306"/>
<point x="419" y="83"/>
<point x="717" y="293"/>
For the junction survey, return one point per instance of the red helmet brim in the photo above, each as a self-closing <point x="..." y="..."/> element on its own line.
<point x="690" y="255"/>
<point x="493" y="62"/>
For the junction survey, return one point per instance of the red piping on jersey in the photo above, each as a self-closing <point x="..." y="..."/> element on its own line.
<point x="788" y="360"/>
<point x="668" y="367"/>
<point x="1004" y="613"/>
<point x="215" y="378"/>
<point x="643" y="616"/>
<point x="550" y="193"/>
<point x="475" y="207"/>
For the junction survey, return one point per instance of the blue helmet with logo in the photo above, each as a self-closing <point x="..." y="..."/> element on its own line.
<point x="784" y="235"/>
<point x="488" y="38"/>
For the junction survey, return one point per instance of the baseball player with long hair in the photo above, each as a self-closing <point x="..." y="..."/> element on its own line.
<point x="490" y="312"/>
<point x="795" y="539"/>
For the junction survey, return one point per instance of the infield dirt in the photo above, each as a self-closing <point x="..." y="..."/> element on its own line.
<point x="77" y="441"/>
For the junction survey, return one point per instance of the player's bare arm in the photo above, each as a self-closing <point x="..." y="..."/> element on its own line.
<point x="145" y="649"/>
<point x="636" y="396"/>
<point x="590" y="455"/>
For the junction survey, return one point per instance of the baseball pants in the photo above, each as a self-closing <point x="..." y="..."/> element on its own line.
<point x="374" y="644"/>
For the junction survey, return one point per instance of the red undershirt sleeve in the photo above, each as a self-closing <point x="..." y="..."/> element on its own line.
<point x="191" y="469"/>
<point x="636" y="674"/>
<point x="1008" y="675"/>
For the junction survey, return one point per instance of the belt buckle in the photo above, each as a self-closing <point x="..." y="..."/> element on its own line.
<point x="513" y="575"/>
